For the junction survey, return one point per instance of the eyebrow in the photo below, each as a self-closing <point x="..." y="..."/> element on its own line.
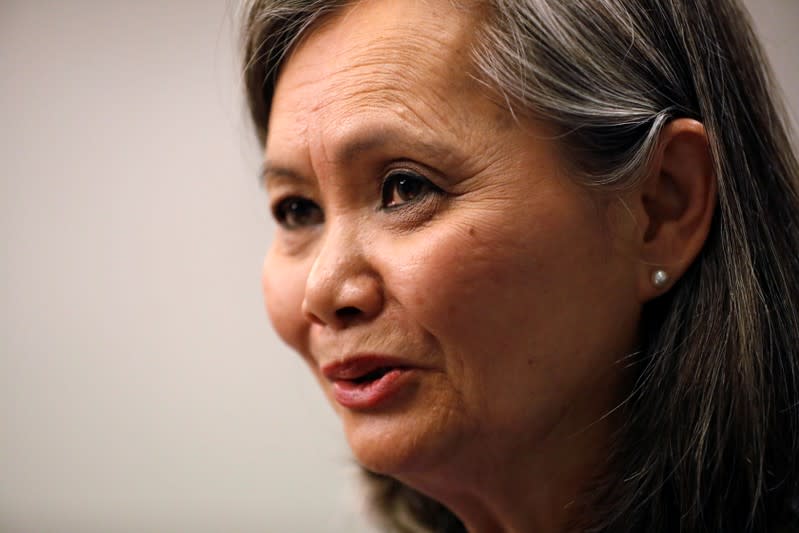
<point x="270" y="171"/>
<point x="361" y="144"/>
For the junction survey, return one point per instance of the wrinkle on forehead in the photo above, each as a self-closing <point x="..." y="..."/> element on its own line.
<point x="380" y="61"/>
<point x="383" y="46"/>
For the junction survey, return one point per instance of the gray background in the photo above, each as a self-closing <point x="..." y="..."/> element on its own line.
<point x="141" y="388"/>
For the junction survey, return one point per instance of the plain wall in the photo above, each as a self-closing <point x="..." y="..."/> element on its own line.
<point x="141" y="388"/>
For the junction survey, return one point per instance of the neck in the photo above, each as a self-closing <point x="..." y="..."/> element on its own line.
<point x="515" y="487"/>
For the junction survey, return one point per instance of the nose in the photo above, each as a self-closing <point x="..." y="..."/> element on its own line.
<point x="342" y="287"/>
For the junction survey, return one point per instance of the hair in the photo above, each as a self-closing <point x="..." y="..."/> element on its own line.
<point x="711" y="426"/>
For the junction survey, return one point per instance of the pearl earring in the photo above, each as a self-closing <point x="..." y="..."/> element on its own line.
<point x="660" y="278"/>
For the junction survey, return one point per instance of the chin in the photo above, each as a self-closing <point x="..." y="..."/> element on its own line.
<point x="399" y="443"/>
<point x="391" y="448"/>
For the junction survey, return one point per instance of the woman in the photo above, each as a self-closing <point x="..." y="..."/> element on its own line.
<point x="542" y="256"/>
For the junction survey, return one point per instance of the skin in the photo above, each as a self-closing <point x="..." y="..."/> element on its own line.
<point x="500" y="280"/>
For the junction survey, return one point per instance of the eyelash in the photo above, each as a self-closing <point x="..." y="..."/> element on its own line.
<point x="289" y="213"/>
<point x="298" y="212"/>
<point x="404" y="177"/>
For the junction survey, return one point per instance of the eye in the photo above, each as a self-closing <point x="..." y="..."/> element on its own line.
<point x="404" y="187"/>
<point x="296" y="212"/>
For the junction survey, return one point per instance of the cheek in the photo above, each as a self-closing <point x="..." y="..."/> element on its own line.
<point x="462" y="279"/>
<point x="504" y="281"/>
<point x="526" y="307"/>
<point x="283" y="286"/>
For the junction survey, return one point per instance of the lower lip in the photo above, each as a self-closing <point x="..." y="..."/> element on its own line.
<point x="369" y="395"/>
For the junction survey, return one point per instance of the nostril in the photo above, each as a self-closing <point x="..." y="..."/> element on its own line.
<point x="339" y="299"/>
<point x="348" y="312"/>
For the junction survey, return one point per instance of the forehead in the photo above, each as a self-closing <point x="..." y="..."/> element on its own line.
<point x="390" y="53"/>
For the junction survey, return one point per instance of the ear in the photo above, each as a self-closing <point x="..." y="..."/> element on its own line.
<point x="674" y="206"/>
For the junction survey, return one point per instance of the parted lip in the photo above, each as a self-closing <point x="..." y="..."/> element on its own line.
<point x="357" y="366"/>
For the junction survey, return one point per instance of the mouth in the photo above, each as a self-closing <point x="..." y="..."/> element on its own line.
<point x="374" y="375"/>
<point x="366" y="382"/>
<point x="361" y="369"/>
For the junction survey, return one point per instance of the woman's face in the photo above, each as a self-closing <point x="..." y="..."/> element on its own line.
<point x="454" y="292"/>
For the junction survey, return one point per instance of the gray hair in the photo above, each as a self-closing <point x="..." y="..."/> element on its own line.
<point x="711" y="438"/>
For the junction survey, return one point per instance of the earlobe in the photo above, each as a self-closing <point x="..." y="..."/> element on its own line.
<point x="677" y="201"/>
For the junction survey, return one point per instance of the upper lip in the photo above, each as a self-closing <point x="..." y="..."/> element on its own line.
<point x="356" y="366"/>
